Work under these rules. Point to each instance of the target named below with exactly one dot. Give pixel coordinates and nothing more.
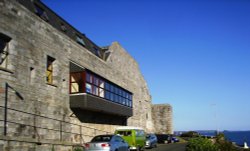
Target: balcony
(94, 99)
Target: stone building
(162, 118)
(58, 88)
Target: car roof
(129, 128)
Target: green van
(134, 136)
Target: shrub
(219, 144)
(201, 144)
(190, 134)
(78, 149)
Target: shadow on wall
(86, 116)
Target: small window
(97, 52)
(4, 50)
(32, 74)
(63, 27)
(41, 13)
(49, 72)
(80, 40)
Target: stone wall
(33, 40)
(162, 118)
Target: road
(169, 147)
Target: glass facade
(87, 82)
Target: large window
(76, 80)
(49, 72)
(4, 50)
(88, 82)
(100, 87)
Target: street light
(7, 86)
(216, 118)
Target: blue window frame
(100, 87)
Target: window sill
(6, 70)
(52, 85)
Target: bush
(219, 144)
(190, 134)
(201, 144)
(78, 149)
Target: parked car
(151, 141)
(107, 143)
(163, 138)
(166, 138)
(174, 140)
(134, 136)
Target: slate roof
(48, 15)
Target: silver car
(107, 143)
(151, 141)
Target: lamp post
(216, 118)
(7, 86)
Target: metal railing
(57, 129)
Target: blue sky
(194, 55)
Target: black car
(166, 138)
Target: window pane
(130, 103)
(111, 96)
(76, 82)
(127, 102)
(127, 95)
(88, 88)
(101, 83)
(107, 86)
(123, 93)
(116, 90)
(107, 95)
(116, 98)
(130, 96)
(88, 77)
(101, 92)
(111, 88)
(95, 90)
(80, 40)
(96, 81)
(120, 92)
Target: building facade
(58, 88)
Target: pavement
(169, 147)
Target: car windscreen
(101, 138)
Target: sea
(237, 137)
